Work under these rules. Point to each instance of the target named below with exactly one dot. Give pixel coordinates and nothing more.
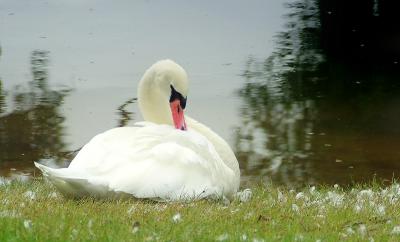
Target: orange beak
(177, 115)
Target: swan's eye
(176, 95)
(183, 102)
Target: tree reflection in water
(322, 108)
(124, 114)
(2, 95)
(33, 128)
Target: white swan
(168, 157)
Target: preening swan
(168, 157)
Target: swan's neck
(153, 102)
(152, 111)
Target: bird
(167, 157)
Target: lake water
(301, 99)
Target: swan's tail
(72, 184)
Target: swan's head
(162, 94)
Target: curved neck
(154, 90)
(153, 102)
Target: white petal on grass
(74, 234)
(90, 224)
(177, 218)
(235, 210)
(358, 208)
(299, 237)
(371, 203)
(299, 195)
(349, 230)
(9, 214)
(135, 230)
(322, 209)
(28, 224)
(149, 238)
(30, 195)
(335, 199)
(380, 210)
(295, 208)
(362, 229)
(384, 192)
(53, 195)
(258, 240)
(248, 215)
(135, 227)
(395, 189)
(393, 201)
(245, 195)
(396, 230)
(336, 186)
(131, 210)
(365, 194)
(281, 197)
(243, 237)
(222, 237)
(312, 189)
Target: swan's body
(153, 159)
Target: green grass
(34, 211)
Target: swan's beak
(177, 115)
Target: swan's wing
(73, 183)
(173, 171)
(154, 161)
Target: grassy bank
(34, 211)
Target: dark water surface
(305, 92)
